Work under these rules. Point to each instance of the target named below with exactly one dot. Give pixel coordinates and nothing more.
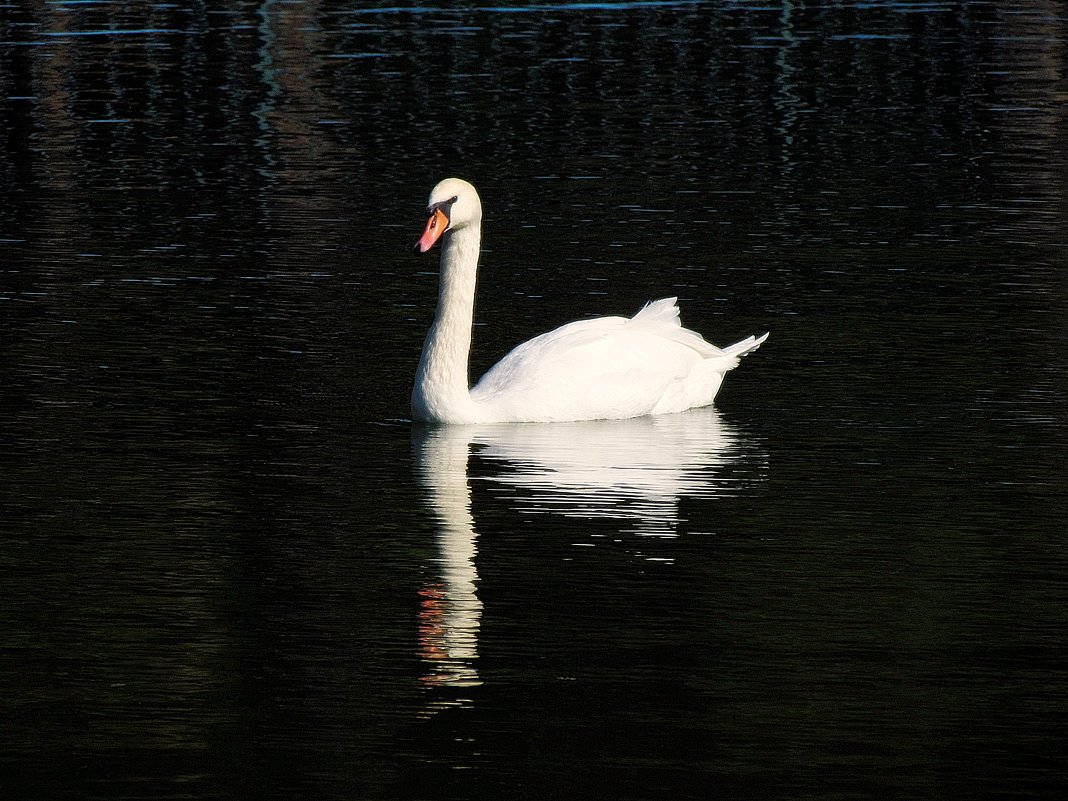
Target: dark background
(219, 535)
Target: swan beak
(435, 227)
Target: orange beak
(435, 227)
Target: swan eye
(443, 205)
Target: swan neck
(442, 389)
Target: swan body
(605, 368)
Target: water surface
(233, 568)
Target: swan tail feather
(747, 345)
(662, 317)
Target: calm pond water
(233, 569)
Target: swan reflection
(635, 471)
(630, 470)
(450, 610)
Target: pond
(233, 567)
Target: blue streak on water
(591, 6)
(362, 55)
(868, 37)
(536, 8)
(126, 32)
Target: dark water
(232, 569)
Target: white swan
(606, 368)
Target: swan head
(453, 204)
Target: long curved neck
(442, 393)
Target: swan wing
(662, 317)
